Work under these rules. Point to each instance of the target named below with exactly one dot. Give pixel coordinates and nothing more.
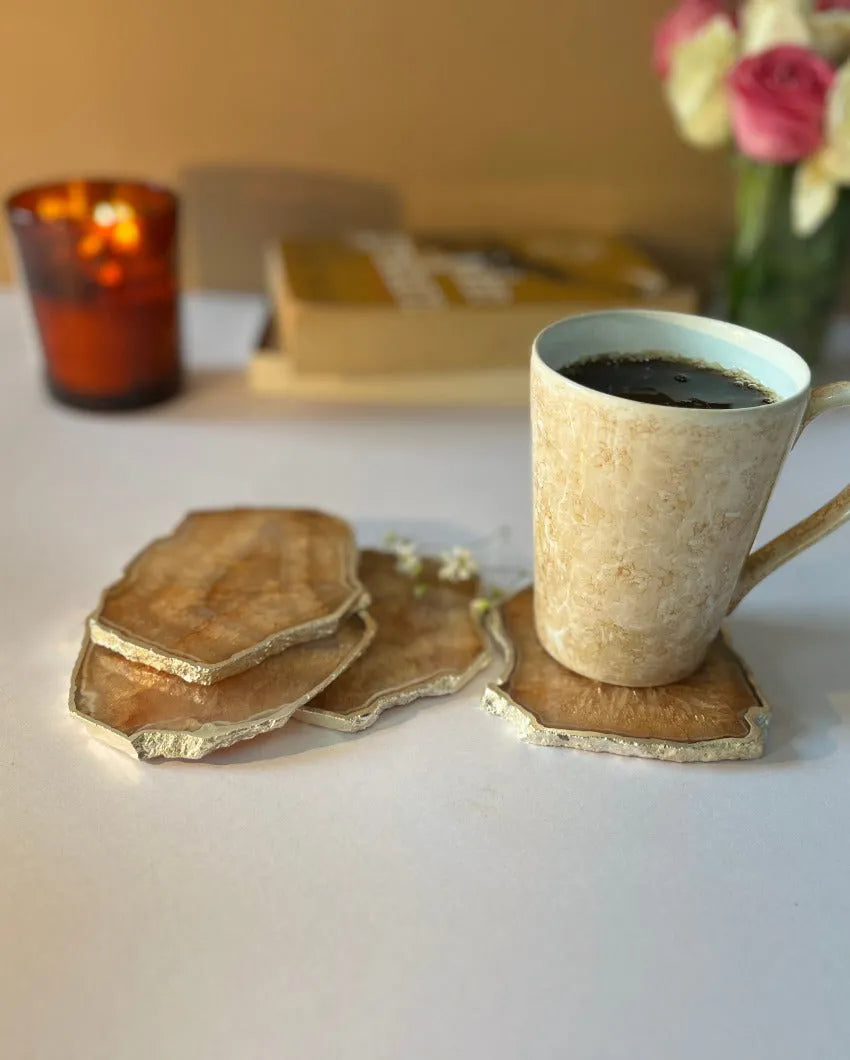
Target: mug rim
(729, 332)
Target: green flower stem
(758, 184)
(777, 282)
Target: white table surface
(431, 888)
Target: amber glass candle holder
(99, 258)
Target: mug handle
(827, 518)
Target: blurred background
(279, 116)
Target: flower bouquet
(771, 77)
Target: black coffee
(660, 378)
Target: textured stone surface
(714, 714)
(425, 645)
(643, 517)
(154, 714)
(227, 588)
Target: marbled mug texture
(643, 518)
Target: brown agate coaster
(228, 588)
(429, 642)
(153, 714)
(717, 713)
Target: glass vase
(777, 282)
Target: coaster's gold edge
(498, 702)
(211, 736)
(494, 624)
(440, 684)
(729, 748)
(195, 671)
(136, 650)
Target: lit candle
(111, 229)
(99, 259)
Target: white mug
(644, 515)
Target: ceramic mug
(644, 515)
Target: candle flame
(104, 215)
(118, 216)
(125, 235)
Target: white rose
(696, 85)
(766, 23)
(817, 179)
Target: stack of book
(392, 317)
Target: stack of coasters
(240, 618)
(715, 714)
(243, 619)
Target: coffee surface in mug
(657, 377)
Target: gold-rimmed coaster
(153, 714)
(229, 588)
(716, 714)
(429, 642)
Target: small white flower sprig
(457, 564)
(408, 560)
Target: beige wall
(481, 111)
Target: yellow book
(387, 302)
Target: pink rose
(680, 25)
(777, 102)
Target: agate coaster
(429, 642)
(716, 714)
(154, 714)
(229, 588)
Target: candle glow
(100, 267)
